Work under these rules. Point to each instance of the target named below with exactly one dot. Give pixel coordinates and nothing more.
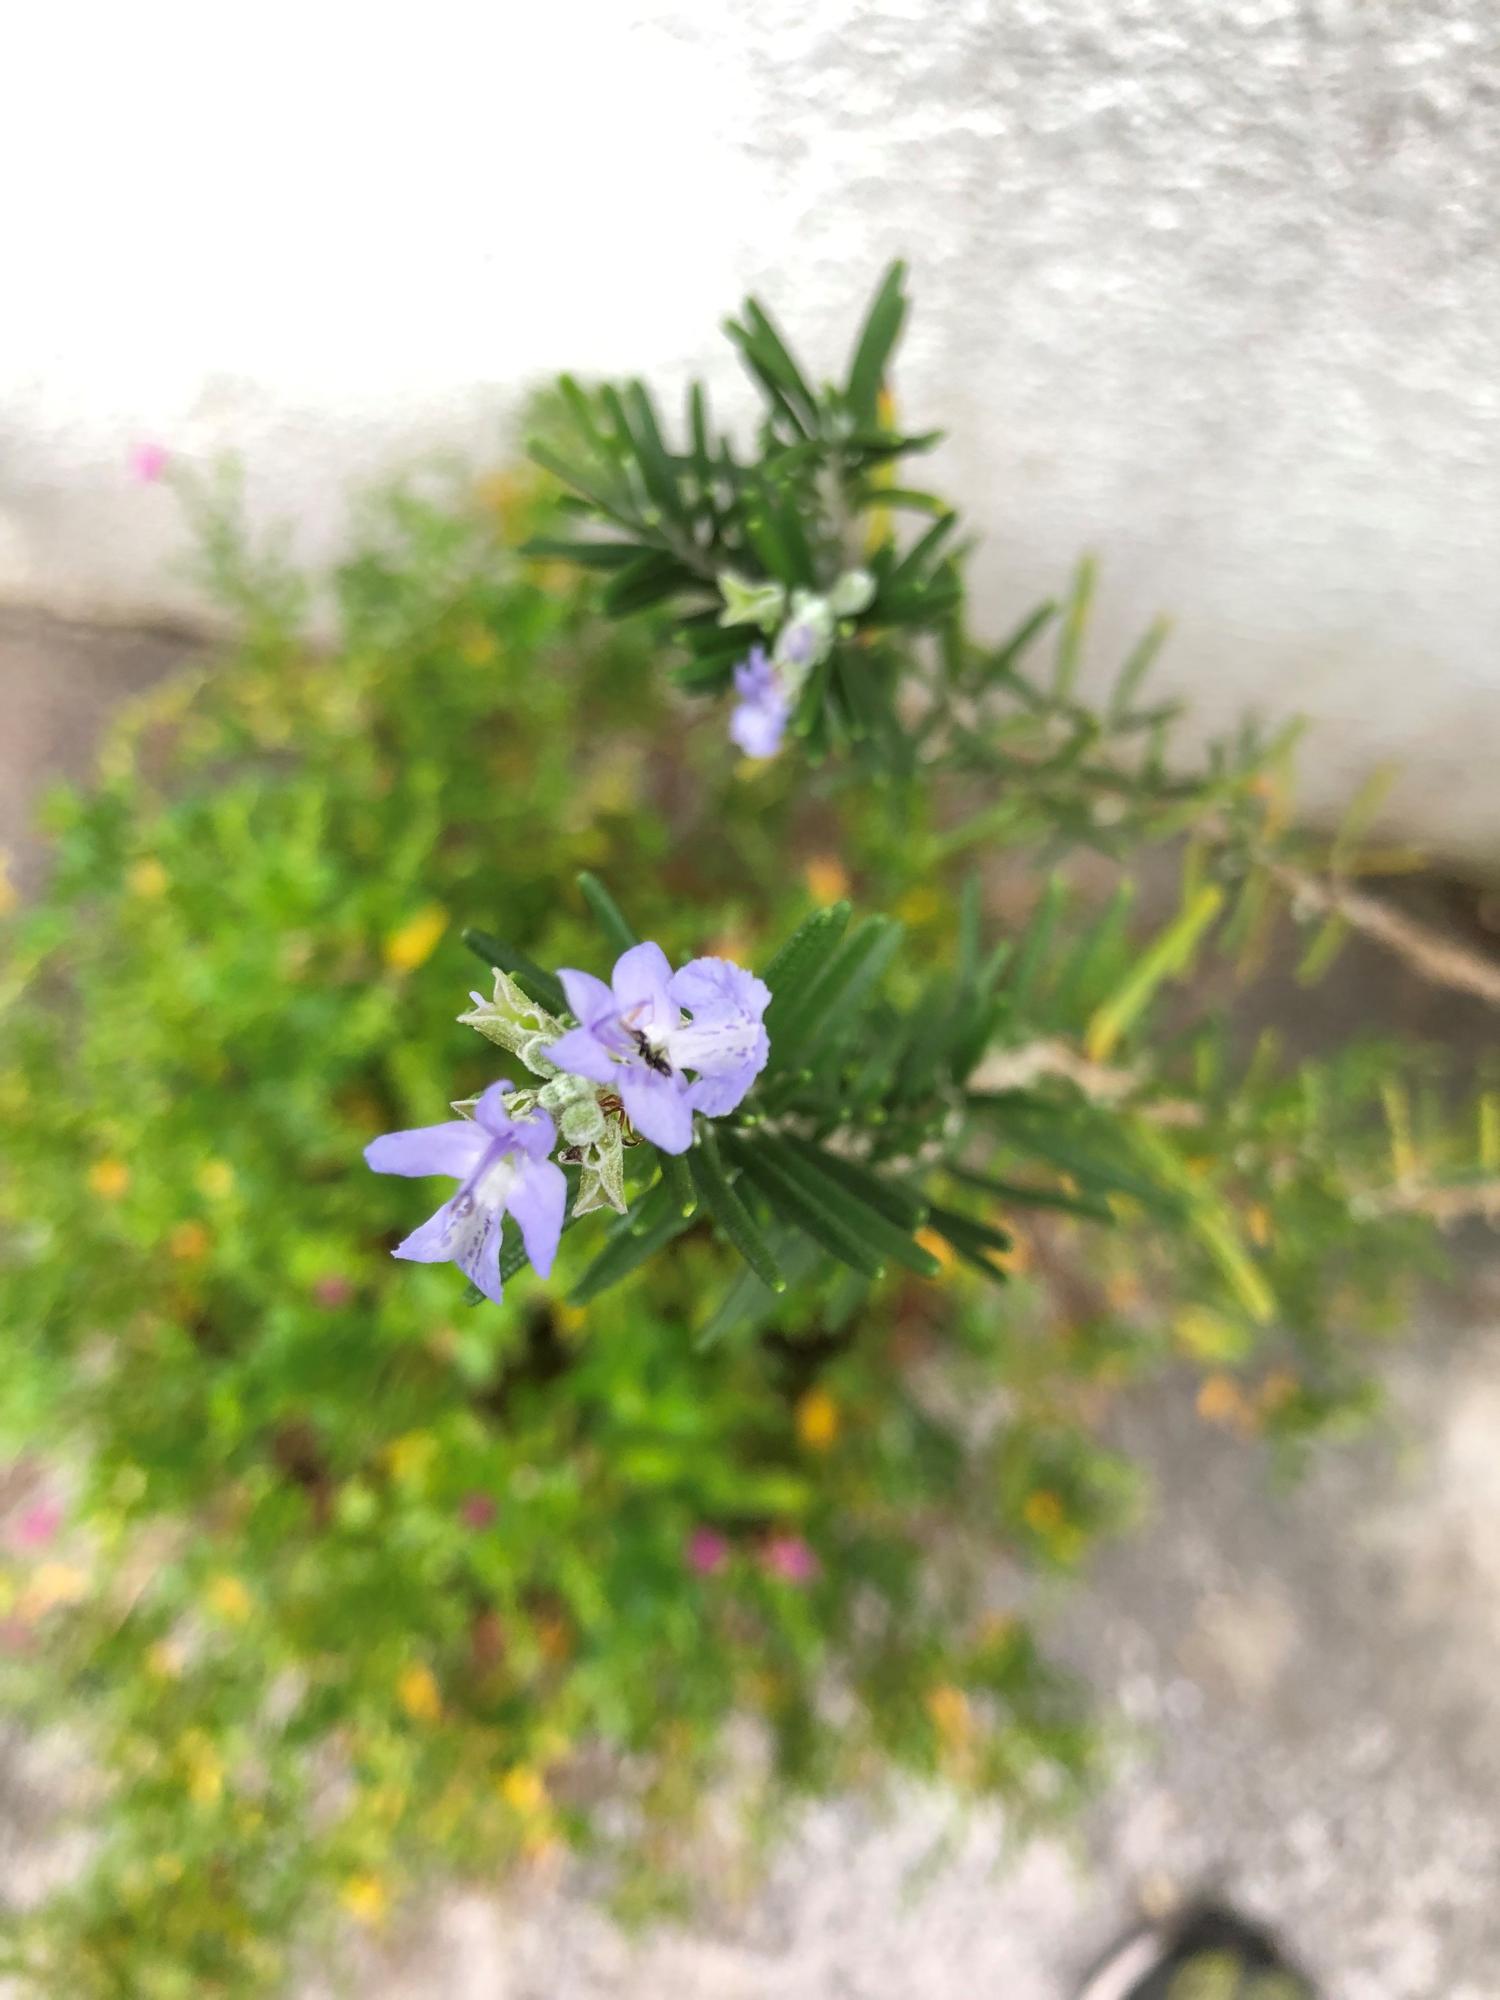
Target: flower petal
(589, 999)
(454, 1148)
(532, 1135)
(489, 1110)
(537, 1199)
(432, 1241)
(640, 980)
(657, 1106)
(705, 983)
(725, 1042)
(581, 1052)
(476, 1250)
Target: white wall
(1213, 288)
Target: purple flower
(632, 1036)
(503, 1167)
(761, 715)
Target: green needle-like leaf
(606, 913)
(730, 1215)
(804, 1170)
(543, 987)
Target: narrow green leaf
(791, 1203)
(678, 1181)
(633, 1242)
(542, 986)
(1026, 1196)
(647, 580)
(730, 1215)
(651, 452)
(899, 1204)
(972, 1241)
(587, 555)
(801, 959)
(606, 913)
(1074, 629)
(1037, 941)
(835, 996)
(875, 344)
(1137, 665)
(1169, 956)
(806, 1169)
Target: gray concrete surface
(1307, 1678)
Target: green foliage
(358, 1580)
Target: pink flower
(477, 1511)
(34, 1528)
(333, 1291)
(707, 1551)
(148, 462)
(789, 1558)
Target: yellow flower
(205, 1769)
(827, 879)
(187, 1242)
(52, 1585)
(817, 1420)
(476, 646)
(1258, 1224)
(147, 878)
(164, 1660)
(569, 1320)
(409, 1457)
(229, 1598)
(9, 894)
(1043, 1512)
(1222, 1401)
(951, 1716)
(414, 942)
(419, 1693)
(523, 1790)
(939, 1247)
(216, 1179)
(365, 1898)
(919, 905)
(109, 1179)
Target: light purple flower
(764, 708)
(632, 1036)
(503, 1167)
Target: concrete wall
(1213, 289)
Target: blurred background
(1214, 293)
(1219, 298)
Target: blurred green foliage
(356, 1585)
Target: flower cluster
(642, 1056)
(769, 682)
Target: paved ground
(1309, 1676)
